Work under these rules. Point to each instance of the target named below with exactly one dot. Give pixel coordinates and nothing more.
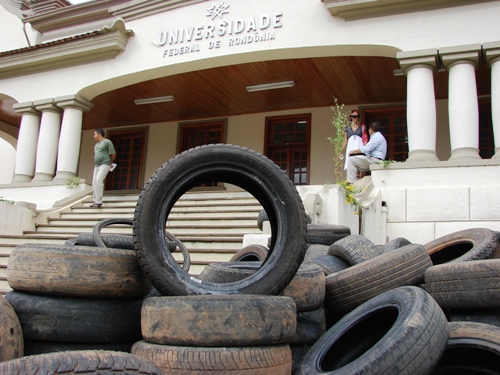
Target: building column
(26, 143)
(71, 135)
(46, 152)
(419, 67)
(463, 107)
(492, 52)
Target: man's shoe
(98, 205)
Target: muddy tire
(172, 242)
(307, 288)
(310, 327)
(464, 245)
(395, 244)
(472, 349)
(402, 331)
(328, 264)
(76, 271)
(65, 319)
(326, 234)
(80, 362)
(354, 249)
(465, 285)
(261, 218)
(250, 253)
(32, 347)
(11, 334)
(184, 360)
(485, 316)
(239, 166)
(347, 289)
(226, 320)
(314, 251)
(114, 241)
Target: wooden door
(129, 173)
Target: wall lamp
(271, 86)
(158, 99)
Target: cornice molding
(101, 11)
(105, 44)
(91, 12)
(351, 10)
(142, 8)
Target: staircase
(211, 226)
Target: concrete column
(492, 52)
(419, 67)
(46, 152)
(71, 135)
(26, 143)
(463, 107)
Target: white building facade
(428, 71)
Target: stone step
(181, 223)
(128, 214)
(210, 225)
(195, 230)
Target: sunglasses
(355, 116)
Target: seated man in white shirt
(373, 152)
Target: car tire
(239, 166)
(402, 331)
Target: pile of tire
(405, 308)
(77, 310)
(76, 297)
(316, 300)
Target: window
(393, 127)
(129, 146)
(197, 134)
(486, 140)
(287, 144)
(202, 133)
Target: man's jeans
(100, 174)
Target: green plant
(73, 182)
(385, 163)
(350, 191)
(339, 121)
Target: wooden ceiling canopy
(221, 92)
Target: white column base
(62, 176)
(39, 176)
(464, 154)
(422, 155)
(496, 156)
(18, 177)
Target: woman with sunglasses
(354, 132)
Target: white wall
(427, 203)
(308, 30)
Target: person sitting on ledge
(373, 152)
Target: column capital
(427, 57)
(26, 107)
(73, 101)
(468, 53)
(491, 52)
(46, 105)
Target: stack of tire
(388, 309)
(226, 334)
(307, 289)
(197, 325)
(76, 297)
